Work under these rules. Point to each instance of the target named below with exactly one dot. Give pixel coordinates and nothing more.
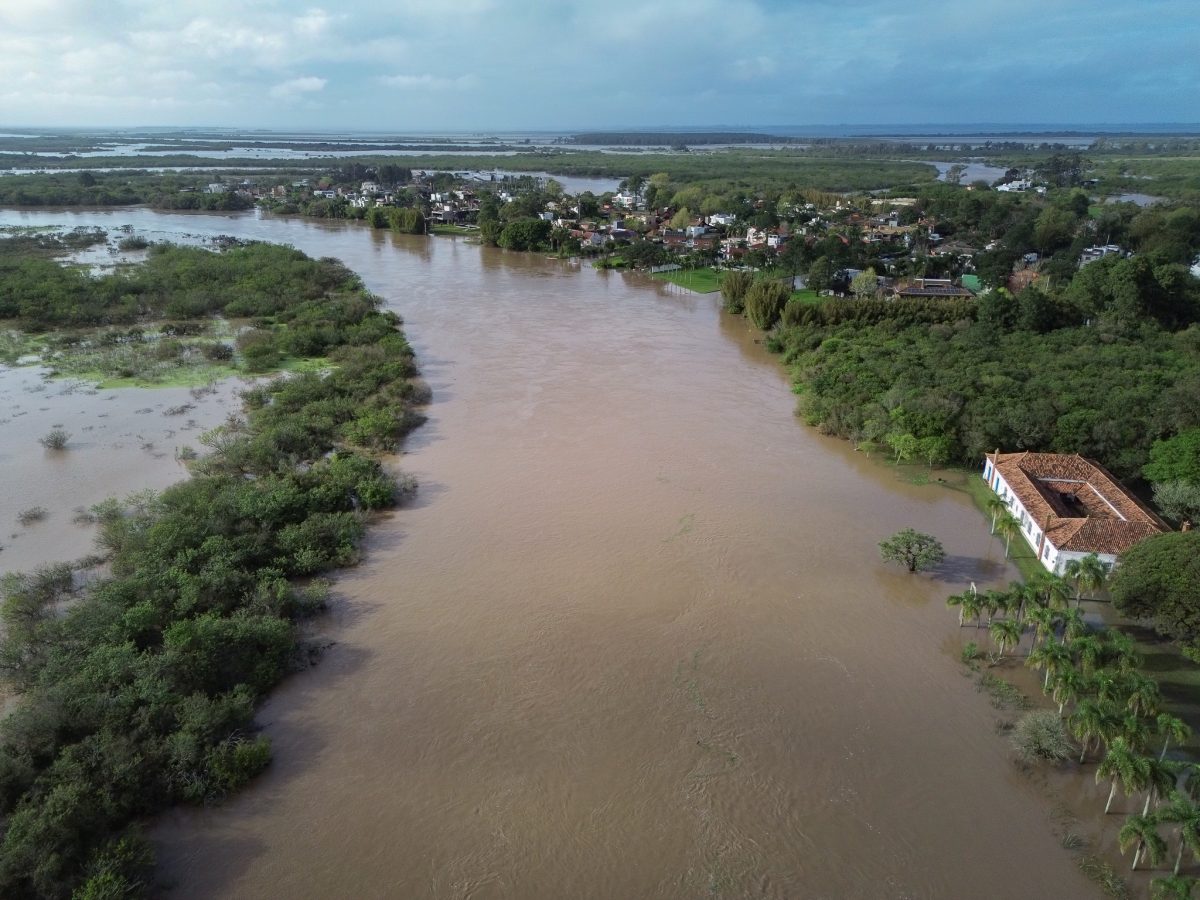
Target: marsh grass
(1003, 694)
(1103, 874)
(32, 514)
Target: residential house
(1069, 507)
(1091, 254)
(929, 287)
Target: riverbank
(200, 615)
(624, 642)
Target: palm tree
(1161, 778)
(1134, 729)
(1006, 633)
(1073, 572)
(1142, 832)
(1092, 574)
(1182, 812)
(1069, 683)
(1052, 656)
(1024, 595)
(1120, 650)
(1170, 726)
(1045, 622)
(996, 506)
(1092, 721)
(1058, 594)
(971, 606)
(1073, 624)
(1141, 693)
(1088, 650)
(1174, 887)
(992, 602)
(1125, 766)
(1008, 527)
(957, 600)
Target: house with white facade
(1069, 507)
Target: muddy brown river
(634, 639)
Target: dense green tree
(524, 234)
(1159, 579)
(914, 550)
(820, 274)
(1175, 459)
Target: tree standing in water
(916, 551)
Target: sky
(494, 65)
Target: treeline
(667, 138)
(174, 282)
(140, 692)
(1105, 368)
(115, 189)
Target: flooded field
(121, 441)
(634, 638)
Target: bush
(55, 439)
(218, 352)
(733, 291)
(1040, 736)
(31, 515)
(765, 301)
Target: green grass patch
(807, 296)
(14, 345)
(702, 281)
(452, 229)
(1020, 554)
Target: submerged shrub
(55, 439)
(1040, 735)
(31, 515)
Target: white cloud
(429, 82)
(313, 23)
(298, 87)
(544, 63)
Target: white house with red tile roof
(1069, 506)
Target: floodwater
(633, 639)
(972, 171)
(122, 441)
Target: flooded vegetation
(634, 637)
(137, 691)
(625, 643)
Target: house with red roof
(1069, 506)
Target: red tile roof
(1080, 506)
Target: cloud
(429, 82)
(312, 24)
(514, 64)
(298, 87)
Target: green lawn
(452, 229)
(806, 296)
(702, 281)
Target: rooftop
(1077, 502)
